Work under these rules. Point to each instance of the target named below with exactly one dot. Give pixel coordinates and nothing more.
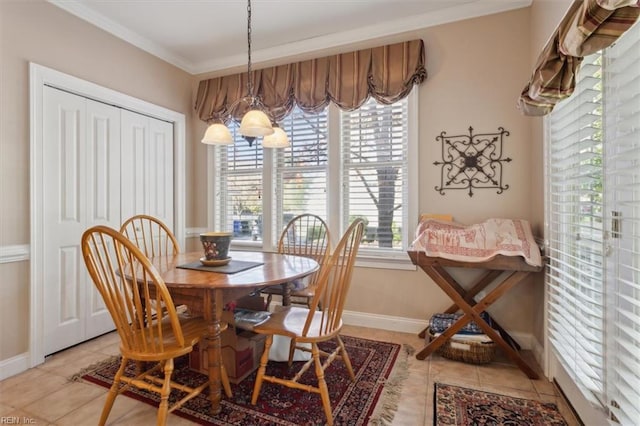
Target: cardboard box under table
(241, 350)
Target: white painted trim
(14, 253)
(38, 78)
(14, 365)
(302, 47)
(384, 322)
(539, 354)
(412, 325)
(194, 232)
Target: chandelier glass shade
(217, 134)
(278, 139)
(255, 122)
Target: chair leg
(263, 368)
(345, 358)
(322, 384)
(164, 395)
(113, 392)
(292, 350)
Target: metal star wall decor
(472, 161)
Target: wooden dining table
(207, 291)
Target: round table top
(274, 268)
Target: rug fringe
(77, 377)
(385, 410)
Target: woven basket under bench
(466, 350)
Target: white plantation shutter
(593, 231)
(301, 171)
(239, 188)
(575, 246)
(622, 153)
(374, 168)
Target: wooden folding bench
(464, 300)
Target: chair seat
(290, 322)
(193, 328)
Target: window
(374, 166)
(340, 166)
(593, 232)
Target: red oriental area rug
(379, 368)
(458, 406)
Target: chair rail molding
(14, 253)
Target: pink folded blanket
(479, 242)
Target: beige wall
(39, 32)
(476, 70)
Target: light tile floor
(44, 395)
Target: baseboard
(14, 365)
(410, 325)
(538, 353)
(384, 322)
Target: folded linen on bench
(478, 242)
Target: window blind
(374, 157)
(622, 154)
(239, 187)
(301, 169)
(575, 244)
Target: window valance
(588, 26)
(386, 73)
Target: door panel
(102, 199)
(64, 218)
(147, 167)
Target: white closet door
(103, 196)
(80, 187)
(147, 167)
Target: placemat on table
(230, 268)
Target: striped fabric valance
(588, 26)
(386, 73)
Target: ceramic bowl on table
(216, 248)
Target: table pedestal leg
(286, 294)
(212, 315)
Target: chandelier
(255, 122)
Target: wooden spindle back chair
(152, 236)
(320, 322)
(304, 235)
(133, 291)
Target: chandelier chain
(249, 80)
